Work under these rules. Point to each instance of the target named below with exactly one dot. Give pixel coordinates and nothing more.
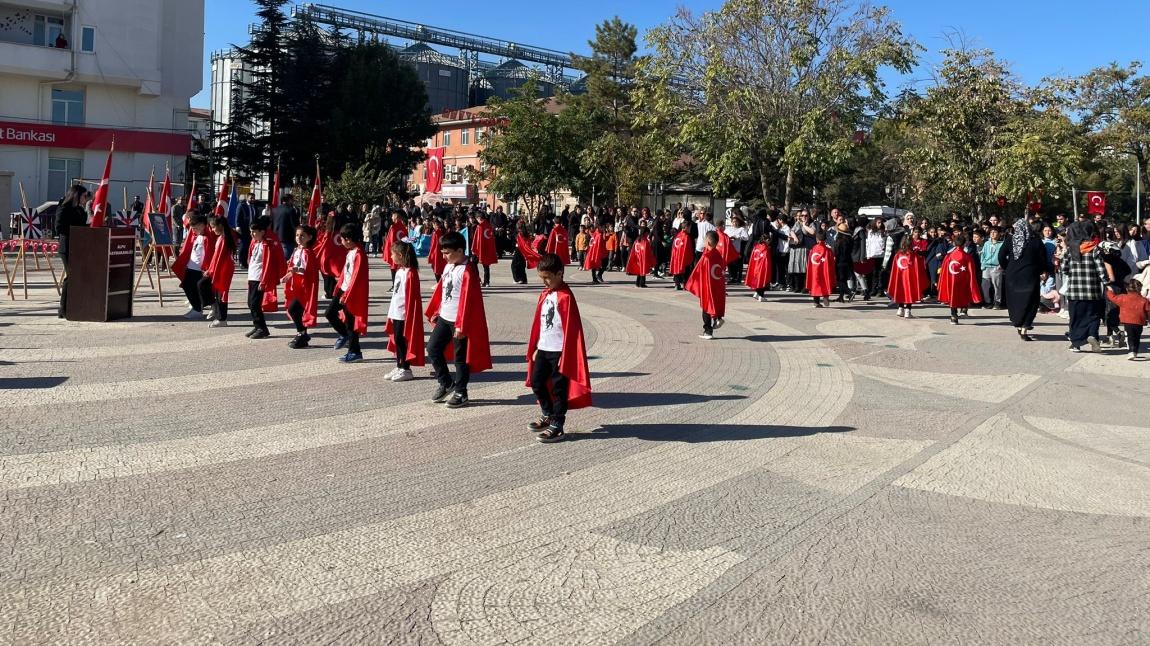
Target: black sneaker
(552, 435)
(260, 334)
(441, 394)
(299, 342)
(251, 332)
(458, 400)
(540, 424)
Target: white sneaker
(901, 312)
(390, 375)
(706, 337)
(403, 375)
(1132, 357)
(209, 312)
(193, 314)
(1095, 346)
(908, 315)
(218, 324)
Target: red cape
(485, 244)
(179, 267)
(908, 279)
(821, 271)
(329, 253)
(220, 267)
(726, 250)
(412, 322)
(559, 244)
(434, 258)
(471, 320)
(759, 269)
(304, 286)
(596, 251)
(573, 360)
(642, 258)
(709, 283)
(355, 298)
(395, 232)
(530, 256)
(274, 269)
(957, 281)
(682, 253)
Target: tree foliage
(364, 185)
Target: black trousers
(334, 309)
(245, 246)
(328, 285)
(63, 281)
(798, 282)
(735, 270)
(295, 313)
(256, 305)
(1133, 336)
(843, 275)
(641, 281)
(400, 344)
(1085, 317)
(486, 275)
(207, 294)
(441, 335)
(708, 323)
(191, 286)
(550, 386)
(779, 267)
(518, 268)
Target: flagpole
(1074, 193)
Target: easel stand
(151, 260)
(20, 267)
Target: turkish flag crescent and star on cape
(1096, 203)
(434, 170)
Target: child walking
(1133, 309)
(821, 276)
(709, 282)
(265, 267)
(759, 268)
(218, 271)
(908, 279)
(301, 286)
(596, 255)
(405, 314)
(642, 259)
(456, 310)
(958, 284)
(682, 255)
(347, 311)
(189, 265)
(556, 354)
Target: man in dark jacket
(284, 221)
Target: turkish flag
(100, 200)
(316, 201)
(708, 281)
(821, 271)
(1096, 203)
(434, 166)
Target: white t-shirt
(397, 309)
(701, 241)
(348, 268)
(196, 261)
(550, 325)
(451, 282)
(784, 243)
(298, 260)
(256, 262)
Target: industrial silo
(506, 77)
(444, 77)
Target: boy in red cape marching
(682, 255)
(821, 278)
(559, 243)
(330, 253)
(556, 354)
(347, 311)
(434, 258)
(484, 247)
(908, 279)
(301, 286)
(189, 264)
(456, 310)
(642, 258)
(216, 284)
(709, 282)
(596, 255)
(957, 284)
(759, 269)
(266, 266)
(405, 314)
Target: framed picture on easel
(160, 229)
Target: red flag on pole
(100, 201)
(1096, 203)
(150, 203)
(164, 204)
(434, 170)
(222, 202)
(314, 205)
(274, 201)
(191, 205)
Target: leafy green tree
(364, 185)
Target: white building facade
(74, 74)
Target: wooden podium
(100, 272)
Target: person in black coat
(245, 215)
(69, 213)
(285, 219)
(1023, 259)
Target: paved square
(812, 476)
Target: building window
(45, 30)
(62, 174)
(446, 137)
(68, 107)
(88, 39)
(464, 137)
(479, 135)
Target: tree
(364, 185)
(771, 88)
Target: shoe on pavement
(901, 312)
(457, 400)
(351, 357)
(260, 334)
(441, 394)
(706, 337)
(193, 314)
(540, 424)
(218, 324)
(718, 323)
(251, 332)
(1075, 348)
(340, 343)
(1095, 346)
(1132, 357)
(552, 435)
(391, 374)
(299, 342)
(402, 375)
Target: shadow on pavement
(692, 433)
(30, 383)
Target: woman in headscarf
(1084, 275)
(1023, 259)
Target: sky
(1037, 37)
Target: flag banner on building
(314, 204)
(100, 200)
(30, 224)
(1096, 203)
(434, 170)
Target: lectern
(100, 271)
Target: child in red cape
(642, 258)
(556, 354)
(525, 256)
(397, 231)
(189, 265)
(559, 243)
(821, 278)
(301, 286)
(265, 268)
(682, 255)
(709, 282)
(596, 255)
(957, 283)
(456, 310)
(434, 258)
(405, 314)
(908, 279)
(759, 269)
(347, 311)
(485, 251)
(218, 271)
(330, 253)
